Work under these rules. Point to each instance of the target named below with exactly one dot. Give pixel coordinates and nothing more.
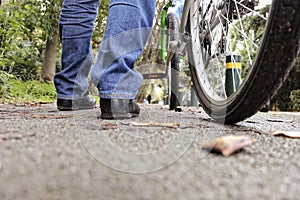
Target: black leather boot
(118, 108)
(78, 104)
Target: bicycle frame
(177, 9)
(170, 42)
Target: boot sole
(119, 116)
(61, 108)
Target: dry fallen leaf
(107, 126)
(228, 144)
(51, 116)
(279, 120)
(289, 134)
(167, 125)
(14, 135)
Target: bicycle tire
(277, 53)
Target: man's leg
(128, 27)
(76, 28)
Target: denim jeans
(128, 27)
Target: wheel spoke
(212, 27)
(243, 32)
(250, 10)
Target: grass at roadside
(17, 91)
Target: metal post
(233, 73)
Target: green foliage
(287, 97)
(100, 24)
(4, 77)
(295, 100)
(25, 26)
(47, 17)
(20, 45)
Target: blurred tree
(287, 98)
(48, 23)
(295, 100)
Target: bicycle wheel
(265, 35)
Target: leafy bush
(295, 100)
(4, 77)
(20, 43)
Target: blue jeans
(128, 27)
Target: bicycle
(235, 67)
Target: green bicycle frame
(163, 27)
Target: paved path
(46, 154)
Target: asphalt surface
(46, 154)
